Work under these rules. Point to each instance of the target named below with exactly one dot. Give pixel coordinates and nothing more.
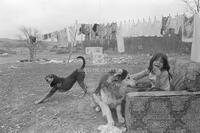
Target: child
(157, 72)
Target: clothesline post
(195, 55)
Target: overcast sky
(50, 15)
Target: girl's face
(158, 63)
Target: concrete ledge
(161, 93)
(163, 112)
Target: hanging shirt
(179, 23)
(171, 24)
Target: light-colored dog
(111, 91)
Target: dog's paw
(111, 123)
(82, 95)
(97, 109)
(38, 102)
(121, 120)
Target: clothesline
(130, 28)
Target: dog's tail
(83, 59)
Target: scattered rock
(40, 109)
(12, 67)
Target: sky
(51, 15)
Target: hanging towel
(179, 23)
(156, 27)
(171, 23)
(149, 28)
(120, 40)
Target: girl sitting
(157, 72)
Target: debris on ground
(12, 67)
(111, 129)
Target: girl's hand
(156, 70)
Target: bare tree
(31, 35)
(192, 5)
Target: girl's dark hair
(165, 62)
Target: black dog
(64, 84)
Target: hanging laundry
(79, 37)
(165, 22)
(49, 35)
(107, 31)
(179, 23)
(103, 31)
(187, 29)
(124, 29)
(120, 40)
(69, 36)
(168, 25)
(129, 28)
(45, 36)
(195, 54)
(139, 28)
(148, 28)
(59, 36)
(113, 27)
(156, 27)
(172, 22)
(98, 29)
(63, 38)
(39, 37)
(136, 28)
(132, 27)
(86, 29)
(143, 28)
(95, 28)
(72, 34)
(54, 37)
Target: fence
(147, 45)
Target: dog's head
(122, 75)
(51, 79)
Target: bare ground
(23, 83)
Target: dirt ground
(23, 83)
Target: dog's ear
(124, 74)
(112, 71)
(55, 80)
(120, 75)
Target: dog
(64, 84)
(111, 92)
